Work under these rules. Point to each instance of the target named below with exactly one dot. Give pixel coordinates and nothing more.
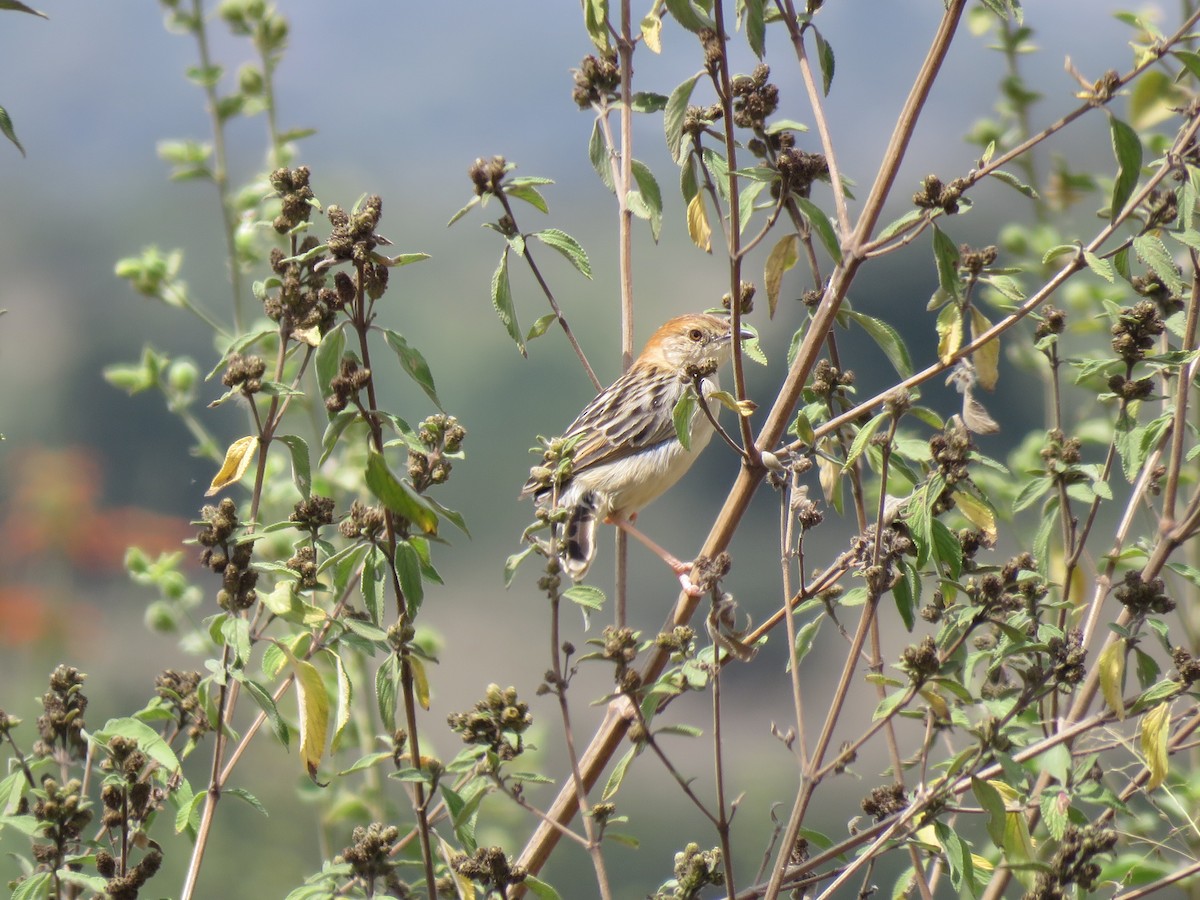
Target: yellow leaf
(697, 222)
(1007, 794)
(950, 331)
(1058, 575)
(829, 474)
(1112, 674)
(237, 459)
(310, 336)
(976, 512)
(652, 33)
(1153, 734)
(782, 257)
(420, 680)
(1019, 848)
(937, 703)
(466, 887)
(987, 357)
(313, 702)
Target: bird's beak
(743, 335)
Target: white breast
(630, 484)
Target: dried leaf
(237, 459)
(987, 357)
(1112, 675)
(1153, 737)
(697, 222)
(782, 257)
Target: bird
(625, 450)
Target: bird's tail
(579, 538)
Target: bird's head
(695, 341)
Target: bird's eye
(696, 335)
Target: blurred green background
(404, 96)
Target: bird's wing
(630, 415)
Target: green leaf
(397, 495)
(888, 705)
(590, 598)
(1055, 806)
(408, 569)
(1031, 491)
(502, 301)
(618, 774)
(688, 15)
(204, 76)
(647, 102)
(529, 194)
(688, 185)
(1128, 149)
(958, 857)
(821, 225)
(511, 564)
(598, 154)
(945, 254)
(243, 794)
(538, 328)
(149, 741)
(785, 125)
(646, 202)
(454, 518)
(595, 20)
(400, 259)
(673, 117)
(1190, 60)
(904, 223)
(413, 363)
(681, 415)
(905, 594)
(805, 636)
(266, 703)
(301, 469)
(863, 437)
(946, 548)
(329, 359)
(1015, 183)
(1041, 539)
(36, 887)
(993, 804)
(371, 585)
(1153, 253)
(888, 339)
(387, 689)
(1101, 267)
(540, 889)
(568, 247)
(756, 37)
(471, 204)
(6, 128)
(18, 6)
(825, 60)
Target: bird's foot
(678, 566)
(692, 590)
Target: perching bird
(627, 450)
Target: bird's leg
(679, 567)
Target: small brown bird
(627, 450)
